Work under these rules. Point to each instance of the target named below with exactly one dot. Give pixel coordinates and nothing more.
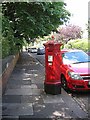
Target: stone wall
(7, 67)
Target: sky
(79, 11)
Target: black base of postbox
(52, 88)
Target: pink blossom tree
(70, 32)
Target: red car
(75, 71)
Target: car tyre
(64, 83)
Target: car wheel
(64, 83)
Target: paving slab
(50, 110)
(24, 91)
(36, 91)
(11, 99)
(13, 86)
(52, 99)
(10, 118)
(31, 99)
(40, 85)
(19, 82)
(33, 86)
(17, 109)
(37, 81)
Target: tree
(70, 32)
(29, 20)
(34, 19)
(8, 42)
(88, 28)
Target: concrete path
(25, 98)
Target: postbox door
(49, 68)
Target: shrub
(7, 39)
(82, 44)
(5, 47)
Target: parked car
(88, 53)
(41, 50)
(75, 70)
(32, 50)
(28, 49)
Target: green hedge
(82, 44)
(8, 48)
(5, 47)
(7, 40)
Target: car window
(33, 48)
(75, 57)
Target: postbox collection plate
(50, 58)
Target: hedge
(82, 44)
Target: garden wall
(8, 65)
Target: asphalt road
(40, 58)
(81, 98)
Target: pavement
(24, 97)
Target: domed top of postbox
(52, 45)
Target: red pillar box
(52, 84)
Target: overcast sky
(79, 11)
(89, 18)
